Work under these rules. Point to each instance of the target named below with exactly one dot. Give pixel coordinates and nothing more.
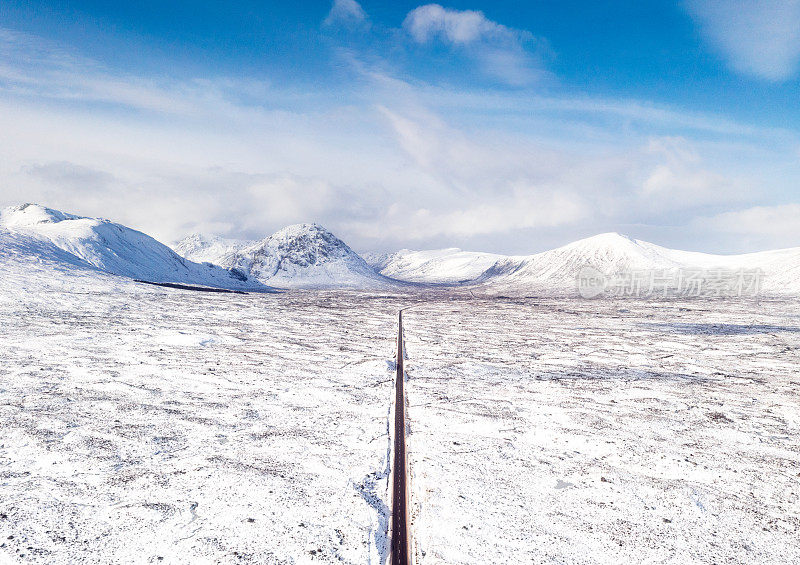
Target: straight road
(400, 554)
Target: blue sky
(503, 126)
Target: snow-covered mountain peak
(297, 256)
(197, 239)
(307, 245)
(606, 244)
(304, 255)
(24, 215)
(611, 238)
(611, 250)
(302, 230)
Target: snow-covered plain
(142, 424)
(568, 431)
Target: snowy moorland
(143, 424)
(150, 424)
(567, 431)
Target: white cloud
(382, 163)
(454, 26)
(346, 13)
(502, 52)
(760, 38)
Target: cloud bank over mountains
(388, 159)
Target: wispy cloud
(680, 178)
(759, 38)
(32, 66)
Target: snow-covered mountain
(557, 270)
(30, 230)
(441, 266)
(202, 248)
(298, 256)
(607, 252)
(780, 267)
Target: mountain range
(615, 255)
(309, 256)
(60, 239)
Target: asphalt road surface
(400, 554)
